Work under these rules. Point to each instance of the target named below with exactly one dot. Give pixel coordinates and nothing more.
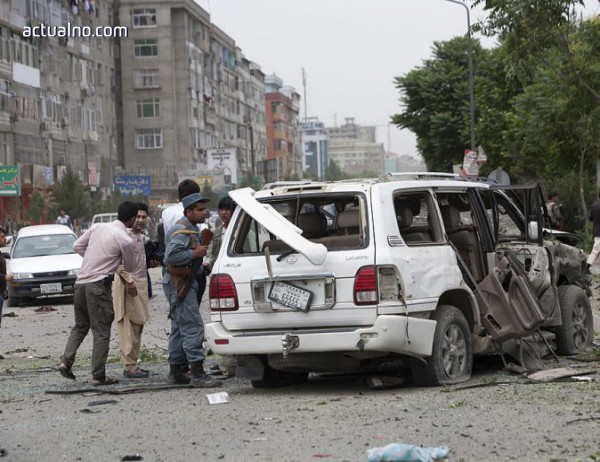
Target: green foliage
(334, 173)
(36, 208)
(70, 196)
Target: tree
(36, 208)
(334, 173)
(436, 101)
(70, 196)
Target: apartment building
(156, 98)
(284, 151)
(57, 94)
(315, 148)
(187, 89)
(354, 148)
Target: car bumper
(390, 333)
(37, 287)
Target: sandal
(136, 374)
(104, 381)
(66, 371)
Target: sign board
(472, 161)
(10, 184)
(222, 166)
(135, 185)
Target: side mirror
(533, 231)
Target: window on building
(89, 118)
(145, 47)
(4, 44)
(146, 78)
(148, 107)
(148, 138)
(143, 17)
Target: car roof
(41, 230)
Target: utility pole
(471, 78)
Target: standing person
(226, 207)
(103, 247)
(9, 225)
(3, 291)
(595, 219)
(171, 214)
(64, 219)
(556, 218)
(183, 259)
(131, 300)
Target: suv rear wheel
(576, 332)
(451, 360)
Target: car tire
(576, 332)
(451, 360)
(273, 378)
(14, 301)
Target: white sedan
(42, 263)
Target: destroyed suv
(339, 276)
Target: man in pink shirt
(103, 248)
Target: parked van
(104, 218)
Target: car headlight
(73, 272)
(22, 276)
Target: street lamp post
(471, 79)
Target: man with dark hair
(226, 207)
(103, 247)
(131, 300)
(172, 214)
(556, 218)
(180, 286)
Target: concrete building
(315, 148)
(284, 153)
(187, 89)
(354, 149)
(58, 94)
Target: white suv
(334, 276)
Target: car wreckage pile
(342, 276)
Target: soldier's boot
(177, 376)
(199, 377)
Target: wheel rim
(579, 328)
(454, 351)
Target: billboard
(222, 167)
(135, 185)
(9, 180)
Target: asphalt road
(496, 416)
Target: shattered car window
(332, 220)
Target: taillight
(222, 293)
(365, 286)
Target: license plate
(290, 296)
(54, 288)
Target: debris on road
(220, 397)
(400, 452)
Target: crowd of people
(114, 285)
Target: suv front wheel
(451, 360)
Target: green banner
(10, 183)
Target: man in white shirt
(103, 248)
(171, 214)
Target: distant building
(284, 154)
(315, 147)
(354, 148)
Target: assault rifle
(185, 287)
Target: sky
(350, 50)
